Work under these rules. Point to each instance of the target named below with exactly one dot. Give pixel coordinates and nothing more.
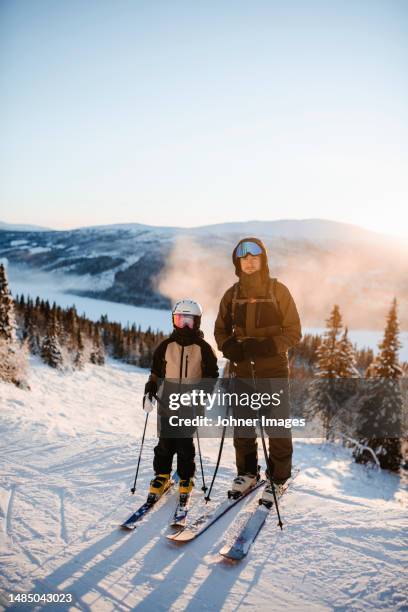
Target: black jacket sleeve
(158, 363)
(209, 361)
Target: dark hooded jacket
(259, 307)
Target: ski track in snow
(68, 454)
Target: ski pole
(268, 463)
(133, 489)
(203, 488)
(207, 497)
(267, 459)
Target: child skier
(184, 355)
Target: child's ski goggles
(185, 320)
(248, 247)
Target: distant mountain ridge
(323, 262)
(305, 229)
(21, 227)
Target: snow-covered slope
(68, 453)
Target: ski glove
(150, 389)
(232, 350)
(259, 348)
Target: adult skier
(256, 324)
(182, 357)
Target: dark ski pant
(165, 451)
(279, 444)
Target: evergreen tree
(346, 367)
(7, 316)
(71, 329)
(79, 357)
(98, 353)
(30, 334)
(328, 353)
(51, 350)
(347, 386)
(380, 408)
(364, 358)
(12, 357)
(326, 394)
(118, 343)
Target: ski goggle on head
(186, 320)
(248, 247)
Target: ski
(249, 531)
(151, 501)
(203, 522)
(180, 514)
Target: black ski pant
(279, 441)
(165, 451)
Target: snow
(69, 452)
(18, 242)
(39, 249)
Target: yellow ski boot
(186, 486)
(159, 484)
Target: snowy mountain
(69, 452)
(20, 227)
(320, 231)
(321, 261)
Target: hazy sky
(188, 113)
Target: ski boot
(180, 514)
(267, 498)
(158, 486)
(241, 484)
(186, 486)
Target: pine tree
(79, 360)
(51, 350)
(326, 396)
(7, 316)
(12, 357)
(346, 367)
(347, 386)
(97, 355)
(118, 343)
(328, 352)
(380, 408)
(30, 334)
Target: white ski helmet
(187, 313)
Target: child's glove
(148, 405)
(150, 389)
